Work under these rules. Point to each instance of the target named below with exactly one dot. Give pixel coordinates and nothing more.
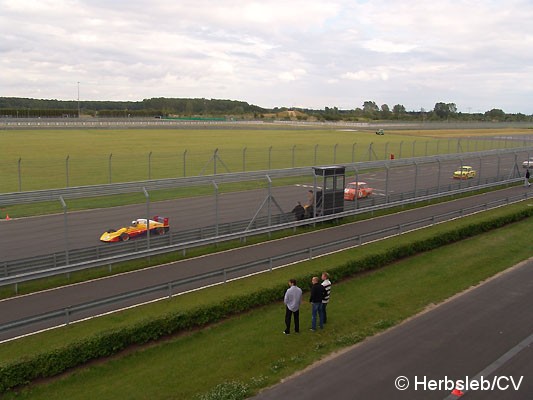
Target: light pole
(79, 99)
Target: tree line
(16, 107)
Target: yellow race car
(157, 225)
(464, 172)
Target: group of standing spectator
(319, 299)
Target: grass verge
(79, 157)
(249, 349)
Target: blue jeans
(317, 309)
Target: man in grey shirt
(292, 300)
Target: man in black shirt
(317, 295)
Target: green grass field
(250, 349)
(43, 159)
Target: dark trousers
(288, 316)
(324, 314)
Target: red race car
(361, 188)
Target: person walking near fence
(292, 300)
(526, 180)
(317, 294)
(326, 283)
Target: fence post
(20, 175)
(438, 175)
(65, 227)
(66, 169)
(270, 157)
(216, 207)
(353, 152)
(335, 153)
(387, 167)
(109, 167)
(416, 178)
(184, 163)
(244, 159)
(461, 176)
(356, 200)
(479, 171)
(147, 218)
(269, 211)
(149, 165)
(316, 149)
(293, 150)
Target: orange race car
(157, 225)
(361, 188)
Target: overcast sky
(272, 53)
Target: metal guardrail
(22, 270)
(14, 198)
(307, 254)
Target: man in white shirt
(292, 300)
(327, 289)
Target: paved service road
(487, 331)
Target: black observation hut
(330, 200)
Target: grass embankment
(250, 348)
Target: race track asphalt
(44, 235)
